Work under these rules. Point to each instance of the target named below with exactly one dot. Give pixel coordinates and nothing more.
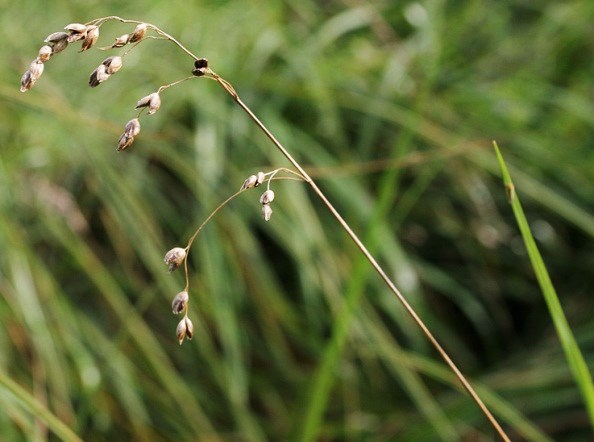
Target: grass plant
(390, 108)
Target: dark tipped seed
(180, 302)
(267, 197)
(249, 183)
(98, 76)
(175, 258)
(201, 63)
(189, 328)
(138, 33)
(90, 38)
(122, 40)
(26, 81)
(44, 54)
(113, 64)
(56, 37)
(260, 178)
(181, 331)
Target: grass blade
(574, 356)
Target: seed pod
(260, 178)
(189, 328)
(180, 302)
(58, 41)
(59, 46)
(90, 38)
(201, 63)
(200, 67)
(113, 64)
(132, 127)
(76, 32)
(122, 40)
(152, 101)
(130, 131)
(175, 258)
(26, 81)
(249, 183)
(56, 37)
(36, 70)
(138, 33)
(98, 76)
(181, 331)
(267, 197)
(124, 142)
(44, 54)
(266, 212)
(76, 28)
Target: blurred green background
(392, 107)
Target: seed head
(98, 76)
(138, 33)
(267, 197)
(175, 258)
(152, 101)
(266, 212)
(113, 64)
(122, 40)
(90, 38)
(180, 302)
(45, 52)
(249, 183)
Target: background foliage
(392, 105)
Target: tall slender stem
(229, 89)
(208, 73)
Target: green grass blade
(573, 354)
(37, 409)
